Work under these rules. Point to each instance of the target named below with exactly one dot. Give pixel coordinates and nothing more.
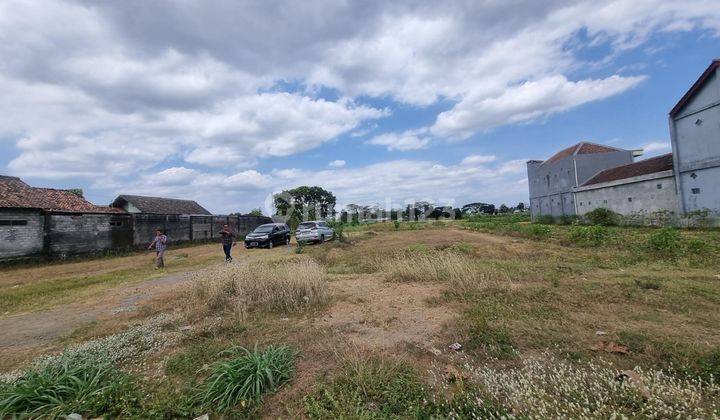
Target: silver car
(314, 231)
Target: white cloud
(339, 163)
(656, 147)
(406, 141)
(478, 159)
(528, 101)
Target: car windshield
(264, 229)
(306, 225)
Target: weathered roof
(160, 205)
(14, 193)
(582, 148)
(695, 87)
(643, 167)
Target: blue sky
(229, 102)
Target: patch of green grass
(188, 362)
(487, 335)
(368, 389)
(246, 377)
(89, 386)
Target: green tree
(256, 212)
(504, 208)
(77, 191)
(305, 203)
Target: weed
(484, 334)
(396, 224)
(567, 219)
(248, 375)
(539, 231)
(300, 248)
(69, 385)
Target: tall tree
(305, 203)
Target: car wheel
(270, 244)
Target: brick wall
(21, 233)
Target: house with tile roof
(157, 205)
(43, 221)
(552, 182)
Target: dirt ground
(375, 314)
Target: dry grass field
(554, 321)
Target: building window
(698, 122)
(629, 199)
(581, 203)
(696, 190)
(589, 203)
(659, 186)
(547, 179)
(116, 223)
(604, 201)
(693, 175)
(13, 222)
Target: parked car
(268, 235)
(314, 231)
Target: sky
(227, 102)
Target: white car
(314, 231)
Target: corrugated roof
(695, 87)
(643, 167)
(14, 193)
(160, 205)
(581, 148)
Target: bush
(545, 219)
(246, 376)
(90, 386)
(587, 235)
(665, 242)
(603, 217)
(396, 224)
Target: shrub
(603, 217)
(587, 235)
(89, 386)
(545, 219)
(396, 224)
(665, 242)
(246, 376)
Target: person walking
(228, 241)
(160, 243)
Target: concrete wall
(70, 234)
(695, 133)
(21, 233)
(59, 235)
(551, 185)
(644, 194)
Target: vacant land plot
(552, 321)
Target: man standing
(160, 243)
(228, 241)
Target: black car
(268, 235)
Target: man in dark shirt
(228, 241)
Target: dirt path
(28, 330)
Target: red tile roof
(643, 167)
(714, 65)
(14, 193)
(581, 148)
